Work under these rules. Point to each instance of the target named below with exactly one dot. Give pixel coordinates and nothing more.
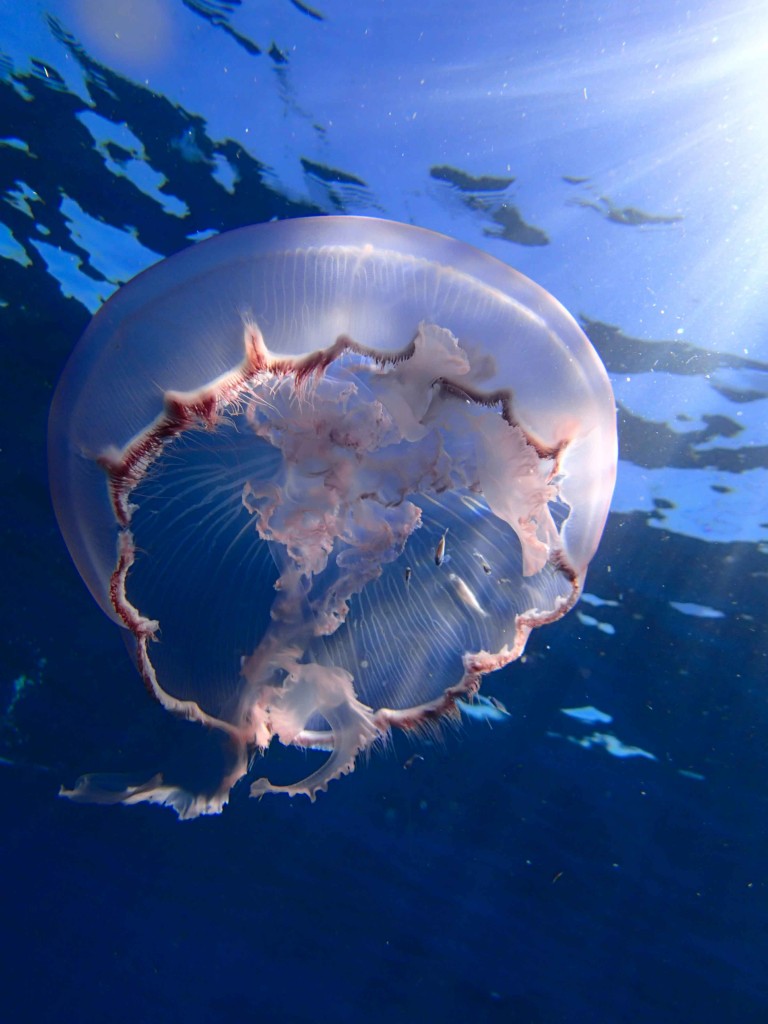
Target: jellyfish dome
(326, 473)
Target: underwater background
(597, 850)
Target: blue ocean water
(598, 853)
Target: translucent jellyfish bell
(328, 473)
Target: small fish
(408, 574)
(557, 876)
(440, 549)
(466, 595)
(483, 564)
(412, 761)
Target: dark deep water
(536, 869)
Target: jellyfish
(326, 474)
